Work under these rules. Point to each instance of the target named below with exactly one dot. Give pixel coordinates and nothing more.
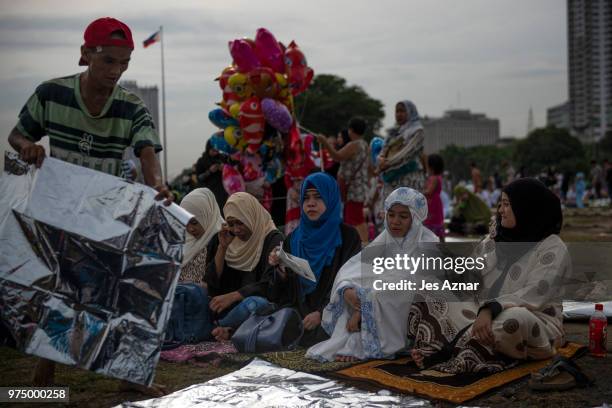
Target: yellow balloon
(238, 84)
(234, 110)
(231, 134)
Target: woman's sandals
(561, 374)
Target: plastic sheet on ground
(88, 267)
(262, 384)
(573, 310)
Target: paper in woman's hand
(299, 266)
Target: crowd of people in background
(456, 206)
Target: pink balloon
(243, 55)
(269, 51)
(276, 114)
(232, 180)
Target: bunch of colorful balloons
(257, 104)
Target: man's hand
(481, 330)
(33, 154)
(215, 168)
(312, 320)
(222, 302)
(164, 193)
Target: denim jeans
(243, 310)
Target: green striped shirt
(56, 109)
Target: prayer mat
(293, 360)
(407, 378)
(206, 352)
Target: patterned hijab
(316, 241)
(242, 255)
(412, 125)
(201, 203)
(417, 203)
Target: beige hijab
(201, 203)
(242, 255)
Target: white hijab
(384, 314)
(201, 203)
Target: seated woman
(519, 316)
(234, 276)
(201, 240)
(326, 243)
(366, 323)
(470, 213)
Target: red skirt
(353, 213)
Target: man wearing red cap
(90, 121)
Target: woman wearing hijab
(202, 229)
(519, 315)
(235, 276)
(209, 173)
(402, 161)
(470, 213)
(362, 320)
(326, 243)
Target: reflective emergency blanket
(262, 384)
(88, 267)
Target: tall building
(149, 95)
(590, 67)
(459, 127)
(558, 116)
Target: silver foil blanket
(88, 267)
(262, 384)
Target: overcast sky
(497, 57)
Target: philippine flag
(156, 37)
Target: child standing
(433, 187)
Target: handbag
(279, 331)
(189, 321)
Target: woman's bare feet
(222, 333)
(354, 323)
(346, 359)
(155, 390)
(417, 357)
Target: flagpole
(165, 142)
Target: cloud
(500, 57)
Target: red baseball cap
(98, 34)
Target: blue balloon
(263, 149)
(221, 119)
(218, 143)
(376, 145)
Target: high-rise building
(149, 95)
(590, 67)
(558, 116)
(459, 127)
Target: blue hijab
(316, 241)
